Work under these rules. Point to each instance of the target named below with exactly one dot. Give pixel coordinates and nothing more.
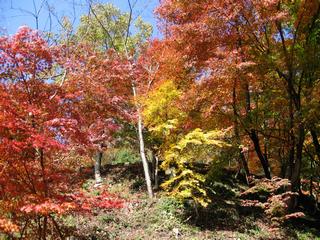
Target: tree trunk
(295, 177)
(254, 136)
(264, 161)
(315, 141)
(45, 226)
(297, 140)
(291, 139)
(242, 162)
(143, 157)
(142, 149)
(156, 171)
(97, 167)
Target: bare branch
(35, 14)
(128, 27)
(101, 24)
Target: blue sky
(14, 13)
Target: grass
(165, 218)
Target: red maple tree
(37, 124)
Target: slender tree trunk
(254, 135)
(252, 132)
(43, 171)
(45, 225)
(290, 164)
(143, 157)
(39, 228)
(297, 139)
(243, 163)
(264, 161)
(56, 225)
(97, 167)
(284, 161)
(156, 171)
(142, 149)
(295, 177)
(315, 141)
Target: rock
(259, 192)
(280, 185)
(294, 216)
(309, 204)
(281, 204)
(251, 206)
(264, 188)
(272, 197)
(276, 208)
(299, 218)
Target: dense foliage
(231, 85)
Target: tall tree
(33, 130)
(99, 83)
(39, 123)
(262, 40)
(106, 27)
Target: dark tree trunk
(292, 139)
(295, 177)
(254, 136)
(315, 141)
(264, 161)
(243, 163)
(296, 137)
(155, 163)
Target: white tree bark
(142, 149)
(156, 175)
(97, 168)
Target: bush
(121, 156)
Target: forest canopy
(230, 92)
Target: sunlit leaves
(161, 113)
(7, 226)
(38, 123)
(106, 28)
(179, 159)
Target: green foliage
(179, 160)
(222, 190)
(170, 206)
(88, 184)
(308, 234)
(225, 159)
(122, 155)
(256, 233)
(277, 209)
(138, 184)
(164, 215)
(107, 27)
